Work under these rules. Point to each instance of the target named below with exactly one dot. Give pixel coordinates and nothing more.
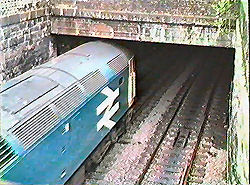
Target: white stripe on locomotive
(110, 109)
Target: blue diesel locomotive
(54, 116)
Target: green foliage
(227, 12)
(226, 7)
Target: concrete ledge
(138, 17)
(142, 31)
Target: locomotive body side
(80, 111)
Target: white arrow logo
(110, 110)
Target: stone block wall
(238, 132)
(25, 39)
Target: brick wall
(25, 39)
(11, 7)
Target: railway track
(175, 152)
(138, 112)
(160, 142)
(207, 167)
(137, 151)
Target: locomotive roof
(85, 68)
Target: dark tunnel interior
(157, 62)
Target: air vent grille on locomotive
(33, 129)
(7, 155)
(118, 63)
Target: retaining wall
(238, 132)
(25, 40)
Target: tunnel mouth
(154, 54)
(158, 68)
